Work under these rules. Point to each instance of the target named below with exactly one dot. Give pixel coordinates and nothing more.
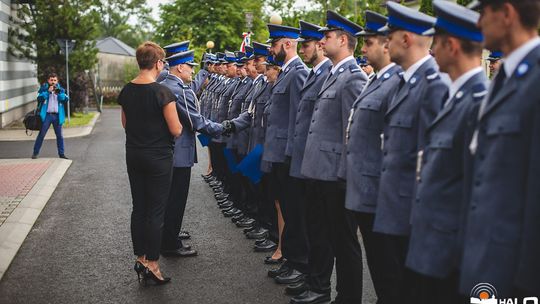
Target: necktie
(499, 82)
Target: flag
(250, 166)
(246, 40)
(203, 139)
(231, 160)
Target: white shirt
(458, 83)
(514, 59)
(413, 68)
(286, 65)
(318, 66)
(385, 69)
(52, 106)
(257, 78)
(336, 67)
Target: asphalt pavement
(79, 250)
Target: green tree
(36, 27)
(426, 7)
(115, 15)
(199, 21)
(464, 2)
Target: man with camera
(51, 99)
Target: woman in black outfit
(151, 123)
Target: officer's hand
(228, 127)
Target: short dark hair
(528, 10)
(471, 48)
(352, 40)
(148, 53)
(51, 75)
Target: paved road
(79, 250)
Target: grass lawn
(79, 119)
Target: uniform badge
(522, 69)
(386, 75)
(459, 94)
(382, 141)
(318, 72)
(413, 80)
(341, 70)
(419, 165)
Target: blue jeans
(50, 118)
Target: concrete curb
(20, 135)
(14, 230)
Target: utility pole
(66, 46)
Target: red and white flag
(246, 40)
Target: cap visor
(192, 63)
(327, 29)
(384, 29)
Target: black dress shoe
(221, 196)
(227, 209)
(257, 234)
(277, 271)
(259, 241)
(225, 204)
(270, 261)
(291, 277)
(238, 218)
(215, 183)
(246, 223)
(186, 247)
(265, 246)
(297, 288)
(34, 156)
(184, 235)
(232, 212)
(310, 297)
(249, 229)
(63, 156)
(180, 252)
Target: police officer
(279, 129)
(494, 60)
(415, 104)
(180, 73)
(434, 248)
(497, 240)
(363, 158)
(332, 229)
(312, 54)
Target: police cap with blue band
(186, 57)
(240, 58)
(403, 18)
(494, 56)
(176, 48)
(270, 61)
(361, 61)
(260, 49)
(249, 51)
(229, 57)
(455, 20)
(220, 58)
(309, 31)
(335, 21)
(282, 31)
(374, 21)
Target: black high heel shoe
(148, 274)
(139, 269)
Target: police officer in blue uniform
(312, 54)
(415, 105)
(494, 60)
(498, 238)
(434, 249)
(332, 229)
(180, 73)
(279, 129)
(363, 154)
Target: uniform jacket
(222, 103)
(326, 134)
(282, 112)
(43, 101)
(363, 157)
(497, 224)
(242, 137)
(195, 85)
(433, 246)
(412, 108)
(235, 107)
(185, 154)
(309, 93)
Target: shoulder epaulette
(432, 74)
(354, 68)
(479, 91)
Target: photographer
(51, 103)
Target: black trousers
(426, 288)
(400, 281)
(374, 247)
(290, 193)
(332, 232)
(176, 205)
(149, 174)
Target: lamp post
(210, 44)
(66, 46)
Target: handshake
(228, 127)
